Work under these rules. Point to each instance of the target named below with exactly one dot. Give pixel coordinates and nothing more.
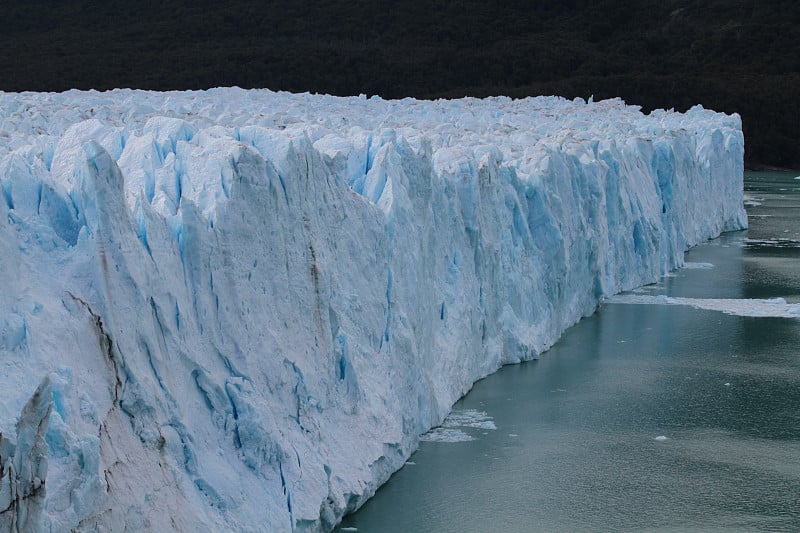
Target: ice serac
(23, 465)
(238, 310)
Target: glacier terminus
(239, 309)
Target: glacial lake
(643, 417)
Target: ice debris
(753, 307)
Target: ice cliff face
(237, 310)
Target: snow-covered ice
(239, 310)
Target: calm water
(642, 417)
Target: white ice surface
(241, 309)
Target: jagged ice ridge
(238, 310)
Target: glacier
(239, 309)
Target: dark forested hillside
(729, 55)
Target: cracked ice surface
(238, 310)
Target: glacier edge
(247, 306)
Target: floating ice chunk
(459, 418)
(751, 201)
(441, 434)
(661, 438)
(697, 266)
(469, 418)
(775, 242)
(772, 307)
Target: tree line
(729, 55)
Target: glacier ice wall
(237, 310)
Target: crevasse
(238, 310)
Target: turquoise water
(642, 417)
